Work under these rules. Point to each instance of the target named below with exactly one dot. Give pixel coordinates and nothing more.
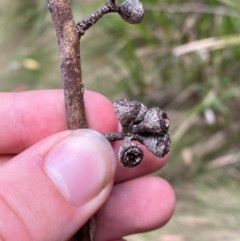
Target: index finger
(27, 117)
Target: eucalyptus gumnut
(140, 115)
(158, 145)
(130, 154)
(126, 110)
(129, 111)
(155, 121)
(131, 11)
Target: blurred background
(185, 58)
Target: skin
(137, 203)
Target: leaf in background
(231, 3)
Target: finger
(135, 206)
(27, 117)
(4, 159)
(48, 191)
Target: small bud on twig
(130, 10)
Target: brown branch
(69, 51)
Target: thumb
(50, 190)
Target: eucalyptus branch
(69, 52)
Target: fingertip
(163, 202)
(135, 206)
(82, 154)
(153, 201)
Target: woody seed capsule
(147, 126)
(131, 11)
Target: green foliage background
(184, 57)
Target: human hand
(52, 180)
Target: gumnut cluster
(147, 126)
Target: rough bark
(69, 52)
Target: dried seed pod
(130, 154)
(131, 11)
(155, 121)
(158, 145)
(126, 110)
(140, 115)
(149, 127)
